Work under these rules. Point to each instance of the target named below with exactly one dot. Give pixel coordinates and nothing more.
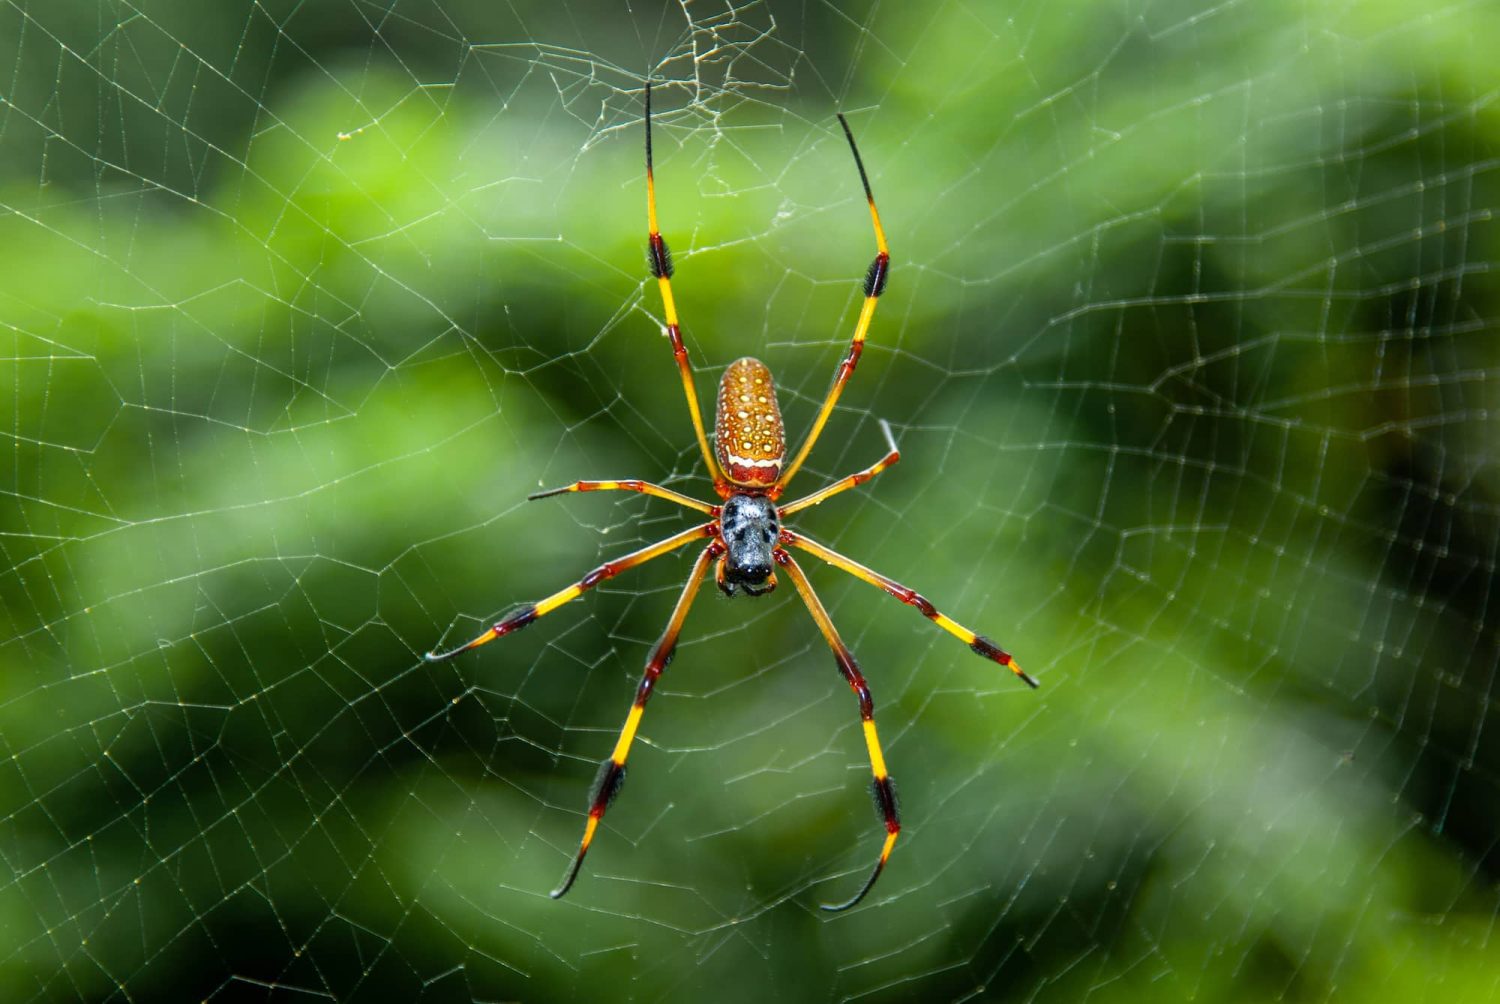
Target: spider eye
(761, 586)
(756, 572)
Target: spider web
(1190, 348)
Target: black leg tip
(841, 907)
(568, 879)
(863, 892)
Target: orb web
(1190, 350)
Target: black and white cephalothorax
(750, 529)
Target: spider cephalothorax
(746, 534)
(750, 530)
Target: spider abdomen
(748, 434)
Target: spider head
(755, 581)
(749, 528)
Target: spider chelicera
(746, 538)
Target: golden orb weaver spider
(746, 536)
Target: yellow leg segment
(661, 267)
(853, 480)
(612, 771)
(977, 643)
(524, 616)
(875, 280)
(627, 734)
(643, 487)
(885, 792)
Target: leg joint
(983, 646)
(517, 620)
(884, 790)
(659, 257)
(678, 349)
(607, 784)
(866, 702)
(875, 278)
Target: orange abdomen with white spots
(748, 436)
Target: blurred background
(1191, 349)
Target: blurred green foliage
(1191, 349)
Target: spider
(747, 540)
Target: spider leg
(874, 285)
(884, 789)
(851, 481)
(660, 259)
(612, 771)
(531, 611)
(644, 487)
(978, 643)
